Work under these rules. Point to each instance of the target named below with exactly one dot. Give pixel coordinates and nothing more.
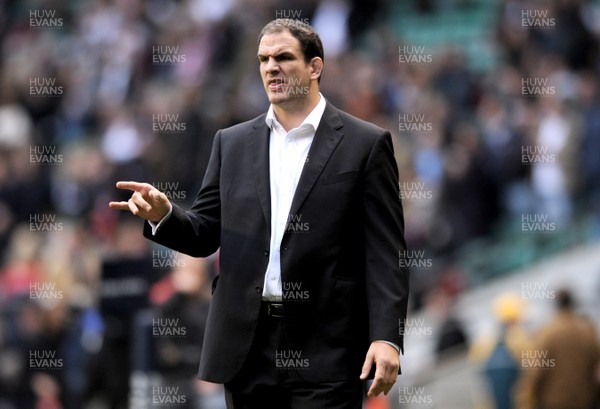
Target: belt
(274, 309)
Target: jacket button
(258, 289)
(266, 253)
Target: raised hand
(146, 201)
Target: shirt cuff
(396, 347)
(156, 226)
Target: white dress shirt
(288, 152)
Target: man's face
(286, 76)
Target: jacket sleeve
(196, 232)
(387, 280)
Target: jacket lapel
(327, 137)
(258, 148)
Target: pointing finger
(135, 186)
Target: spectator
(566, 355)
(500, 355)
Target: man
(563, 373)
(304, 204)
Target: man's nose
(272, 65)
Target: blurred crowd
(92, 92)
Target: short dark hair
(310, 42)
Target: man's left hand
(386, 360)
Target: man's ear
(316, 67)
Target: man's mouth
(275, 84)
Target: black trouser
(264, 383)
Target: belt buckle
(272, 309)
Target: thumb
(366, 368)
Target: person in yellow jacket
(500, 355)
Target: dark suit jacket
(340, 255)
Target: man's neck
(292, 114)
